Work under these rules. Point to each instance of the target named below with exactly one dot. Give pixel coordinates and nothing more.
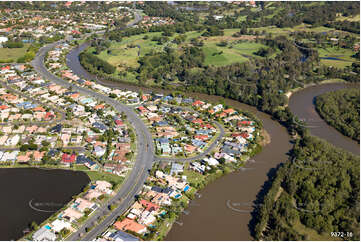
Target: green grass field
(11, 55)
(343, 57)
(355, 18)
(97, 175)
(220, 56)
(285, 31)
(122, 55)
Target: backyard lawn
(97, 175)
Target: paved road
(145, 154)
(144, 159)
(203, 154)
(200, 156)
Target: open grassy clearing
(339, 57)
(96, 176)
(122, 54)
(355, 18)
(127, 52)
(220, 56)
(11, 55)
(285, 31)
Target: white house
(58, 225)
(44, 234)
(211, 161)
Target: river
(223, 212)
(302, 105)
(30, 194)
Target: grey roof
(44, 234)
(120, 235)
(176, 168)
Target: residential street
(203, 154)
(143, 162)
(38, 123)
(145, 154)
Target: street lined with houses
(195, 138)
(145, 156)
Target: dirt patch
(280, 190)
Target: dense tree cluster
(13, 44)
(161, 9)
(169, 65)
(318, 189)
(341, 109)
(264, 52)
(295, 13)
(353, 27)
(94, 64)
(213, 31)
(100, 45)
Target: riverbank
(341, 110)
(285, 208)
(292, 91)
(253, 178)
(302, 105)
(213, 200)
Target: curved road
(249, 183)
(200, 156)
(144, 160)
(203, 154)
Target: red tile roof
(128, 224)
(149, 205)
(68, 158)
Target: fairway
(336, 57)
(234, 53)
(11, 55)
(286, 31)
(355, 18)
(127, 52)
